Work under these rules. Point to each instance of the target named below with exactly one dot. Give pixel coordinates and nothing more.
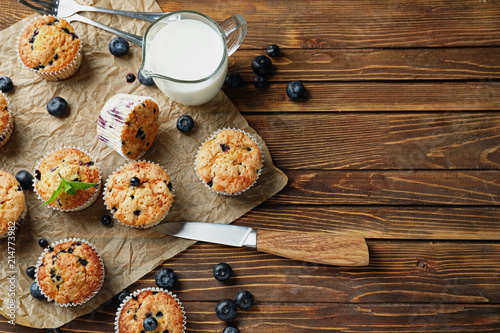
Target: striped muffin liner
(213, 136)
(86, 204)
(112, 119)
(149, 225)
(62, 73)
(5, 134)
(20, 220)
(40, 261)
(137, 292)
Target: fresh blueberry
(185, 123)
(166, 278)
(30, 271)
(53, 330)
(120, 297)
(57, 107)
(150, 324)
(118, 47)
(259, 82)
(273, 50)
(145, 80)
(42, 242)
(234, 80)
(226, 310)
(261, 65)
(35, 291)
(134, 181)
(6, 84)
(130, 77)
(25, 179)
(106, 220)
(244, 299)
(222, 271)
(231, 329)
(295, 90)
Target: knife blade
(316, 247)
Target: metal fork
(75, 17)
(66, 8)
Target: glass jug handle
(235, 29)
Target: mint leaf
(80, 185)
(69, 187)
(55, 194)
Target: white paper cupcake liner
(40, 261)
(213, 136)
(112, 119)
(86, 204)
(149, 225)
(137, 292)
(20, 220)
(62, 73)
(5, 134)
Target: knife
(316, 247)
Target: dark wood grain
(448, 140)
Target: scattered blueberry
(234, 80)
(30, 271)
(259, 82)
(261, 65)
(150, 324)
(273, 50)
(118, 47)
(166, 278)
(106, 220)
(185, 123)
(57, 107)
(130, 77)
(53, 330)
(145, 80)
(226, 310)
(25, 179)
(35, 291)
(231, 329)
(244, 299)
(6, 84)
(134, 181)
(295, 90)
(222, 271)
(42, 242)
(121, 296)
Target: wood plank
(363, 23)
(468, 187)
(370, 96)
(375, 64)
(436, 223)
(11, 12)
(449, 140)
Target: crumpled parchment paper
(128, 254)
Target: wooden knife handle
(321, 248)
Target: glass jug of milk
(185, 52)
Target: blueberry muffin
(50, 47)
(70, 272)
(139, 194)
(150, 310)
(13, 207)
(6, 120)
(71, 164)
(129, 124)
(229, 162)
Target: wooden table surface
(398, 141)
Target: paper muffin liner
(40, 261)
(112, 119)
(62, 73)
(86, 204)
(149, 225)
(20, 220)
(137, 292)
(213, 136)
(5, 134)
